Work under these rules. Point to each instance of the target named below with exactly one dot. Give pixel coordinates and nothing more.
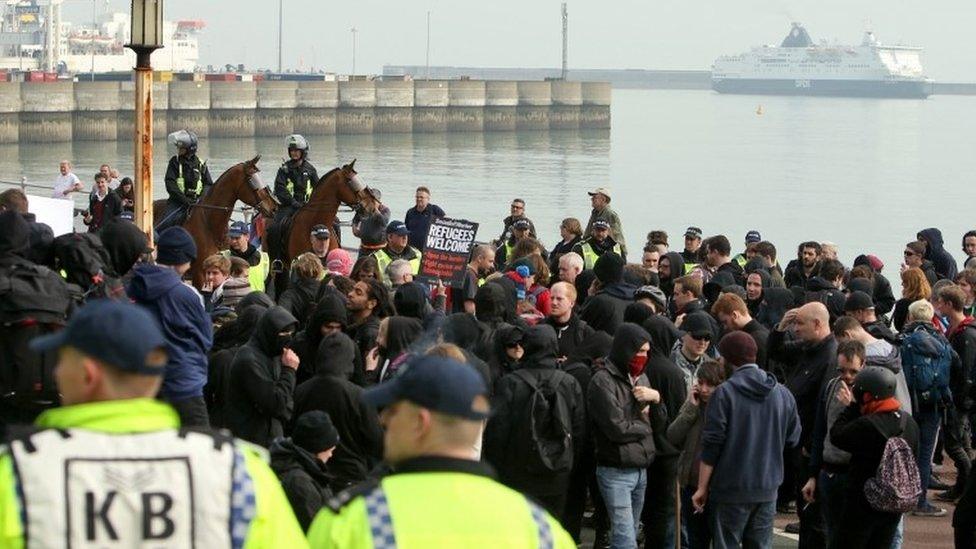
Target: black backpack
(546, 429)
(34, 301)
(85, 262)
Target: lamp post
(147, 36)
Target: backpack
(896, 486)
(86, 263)
(927, 374)
(34, 301)
(546, 429)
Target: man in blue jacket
(186, 326)
(750, 420)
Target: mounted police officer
(296, 178)
(187, 179)
(113, 468)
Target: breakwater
(36, 112)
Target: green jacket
(273, 525)
(616, 228)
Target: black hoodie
(623, 435)
(945, 264)
(124, 243)
(677, 265)
(510, 407)
(330, 390)
(472, 337)
(299, 299)
(401, 333)
(666, 377)
(259, 401)
(331, 308)
(227, 340)
(303, 478)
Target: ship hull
(825, 88)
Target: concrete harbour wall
(95, 111)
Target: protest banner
(447, 250)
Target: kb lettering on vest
(113, 501)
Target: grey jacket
(685, 433)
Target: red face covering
(636, 365)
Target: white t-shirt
(62, 183)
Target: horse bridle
(256, 195)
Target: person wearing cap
(300, 462)
(516, 212)
(693, 241)
(520, 229)
(597, 243)
(439, 494)
(296, 178)
(397, 247)
(419, 217)
(600, 200)
(239, 245)
(370, 222)
(187, 179)
(691, 349)
(860, 306)
(320, 239)
(884, 298)
(180, 312)
(114, 454)
(872, 417)
(752, 237)
(750, 421)
(653, 298)
(624, 434)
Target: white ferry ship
(33, 37)
(800, 67)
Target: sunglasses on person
(513, 344)
(704, 337)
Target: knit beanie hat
(339, 262)
(175, 247)
(609, 268)
(315, 432)
(738, 348)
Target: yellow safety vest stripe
(181, 183)
(383, 261)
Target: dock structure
(96, 111)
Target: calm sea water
(864, 173)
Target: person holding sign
(397, 235)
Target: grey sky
(526, 33)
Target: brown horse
(338, 186)
(209, 218)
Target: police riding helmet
(183, 139)
(877, 381)
(296, 141)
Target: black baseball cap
(858, 301)
(697, 325)
(522, 224)
(436, 383)
(601, 224)
(320, 232)
(397, 227)
(119, 334)
(693, 232)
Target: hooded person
(755, 293)
(775, 303)
(300, 464)
(394, 346)
(262, 380)
(623, 434)
(329, 314)
(125, 244)
(674, 268)
(606, 307)
(945, 264)
(330, 390)
(582, 283)
(714, 287)
(497, 301)
(503, 363)
(254, 298)
(227, 340)
(473, 338)
(410, 300)
(508, 440)
(637, 313)
(751, 419)
(664, 376)
(884, 298)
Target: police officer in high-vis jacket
(113, 468)
(439, 494)
(187, 179)
(296, 178)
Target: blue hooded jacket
(750, 420)
(186, 326)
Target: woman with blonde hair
(914, 286)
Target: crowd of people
(682, 397)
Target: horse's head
(263, 199)
(354, 190)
